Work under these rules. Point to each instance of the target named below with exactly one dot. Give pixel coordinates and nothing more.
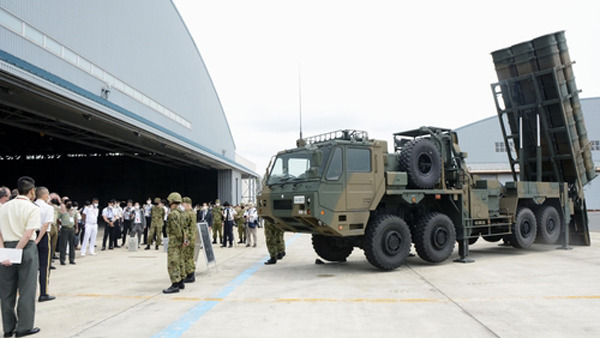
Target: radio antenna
(300, 98)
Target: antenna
(300, 98)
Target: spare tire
(422, 162)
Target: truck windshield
(298, 166)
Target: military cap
(174, 197)
(157, 200)
(187, 200)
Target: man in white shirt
(19, 219)
(109, 217)
(90, 221)
(43, 240)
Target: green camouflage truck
(348, 191)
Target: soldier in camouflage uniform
(191, 233)
(275, 242)
(217, 222)
(240, 223)
(177, 240)
(157, 213)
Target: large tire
(387, 242)
(524, 230)
(548, 224)
(422, 162)
(333, 249)
(435, 237)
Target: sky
(378, 66)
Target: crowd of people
(54, 228)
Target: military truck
(348, 191)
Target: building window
(500, 147)
(595, 145)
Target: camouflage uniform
(217, 224)
(175, 232)
(240, 223)
(274, 239)
(157, 213)
(190, 231)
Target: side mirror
(317, 159)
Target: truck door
(331, 191)
(360, 187)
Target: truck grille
(283, 204)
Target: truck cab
(327, 185)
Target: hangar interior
(71, 148)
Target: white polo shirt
(46, 213)
(18, 216)
(91, 215)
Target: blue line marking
(185, 322)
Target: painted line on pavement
(326, 300)
(186, 321)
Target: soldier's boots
(147, 247)
(272, 260)
(181, 285)
(172, 289)
(281, 255)
(156, 247)
(190, 278)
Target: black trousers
(66, 238)
(126, 228)
(111, 234)
(228, 233)
(148, 222)
(117, 232)
(44, 258)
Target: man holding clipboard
(19, 219)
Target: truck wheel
(524, 229)
(422, 162)
(549, 224)
(387, 242)
(435, 237)
(333, 249)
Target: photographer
(251, 217)
(68, 218)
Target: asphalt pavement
(540, 292)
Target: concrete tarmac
(540, 292)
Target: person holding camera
(68, 219)
(251, 217)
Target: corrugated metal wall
(230, 186)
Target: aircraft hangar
(112, 99)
